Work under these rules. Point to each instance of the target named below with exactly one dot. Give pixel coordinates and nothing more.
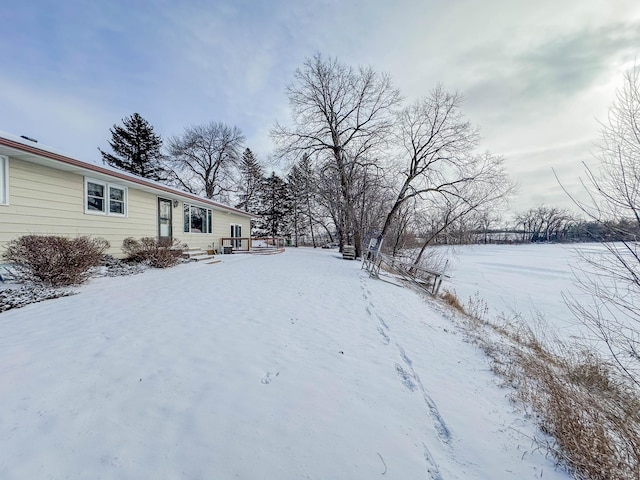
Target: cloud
(534, 74)
(570, 64)
(513, 84)
(543, 172)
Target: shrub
(26, 294)
(156, 253)
(116, 267)
(53, 260)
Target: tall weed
(589, 411)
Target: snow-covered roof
(30, 150)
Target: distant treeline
(584, 231)
(571, 232)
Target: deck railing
(235, 244)
(267, 242)
(244, 244)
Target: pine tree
(296, 186)
(275, 207)
(251, 179)
(136, 149)
(299, 181)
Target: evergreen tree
(296, 186)
(136, 149)
(300, 181)
(275, 207)
(251, 179)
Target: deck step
(266, 251)
(202, 257)
(197, 255)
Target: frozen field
(291, 366)
(525, 279)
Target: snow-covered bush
(156, 253)
(54, 260)
(26, 294)
(115, 267)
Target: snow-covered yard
(260, 367)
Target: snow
(526, 280)
(285, 366)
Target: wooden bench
(349, 252)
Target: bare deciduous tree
(202, 159)
(612, 278)
(438, 160)
(485, 219)
(544, 223)
(400, 235)
(341, 117)
(447, 211)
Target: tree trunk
(399, 201)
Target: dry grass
(451, 300)
(590, 413)
(593, 417)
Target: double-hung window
(105, 198)
(4, 180)
(197, 219)
(117, 198)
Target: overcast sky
(535, 75)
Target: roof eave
(30, 153)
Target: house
(45, 192)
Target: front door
(165, 233)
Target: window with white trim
(105, 198)
(117, 200)
(4, 180)
(197, 219)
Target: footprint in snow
(412, 378)
(432, 466)
(382, 322)
(266, 380)
(383, 334)
(404, 356)
(407, 378)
